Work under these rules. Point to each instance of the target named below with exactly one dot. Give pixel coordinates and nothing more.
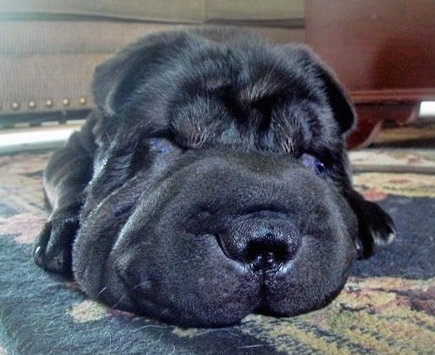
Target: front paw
(53, 246)
(376, 228)
(381, 226)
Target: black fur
(210, 182)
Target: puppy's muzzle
(264, 241)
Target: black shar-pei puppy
(210, 182)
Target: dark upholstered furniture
(49, 49)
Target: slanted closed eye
(163, 150)
(311, 162)
(159, 145)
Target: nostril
(266, 255)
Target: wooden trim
(392, 96)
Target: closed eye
(314, 164)
(159, 145)
(163, 151)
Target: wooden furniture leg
(372, 116)
(374, 107)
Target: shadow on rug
(387, 306)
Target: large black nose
(263, 241)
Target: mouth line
(265, 279)
(263, 306)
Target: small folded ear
(376, 228)
(336, 95)
(107, 81)
(340, 102)
(116, 79)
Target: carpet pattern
(386, 307)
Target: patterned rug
(386, 307)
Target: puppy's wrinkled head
(221, 184)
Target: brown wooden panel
(373, 44)
(383, 51)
